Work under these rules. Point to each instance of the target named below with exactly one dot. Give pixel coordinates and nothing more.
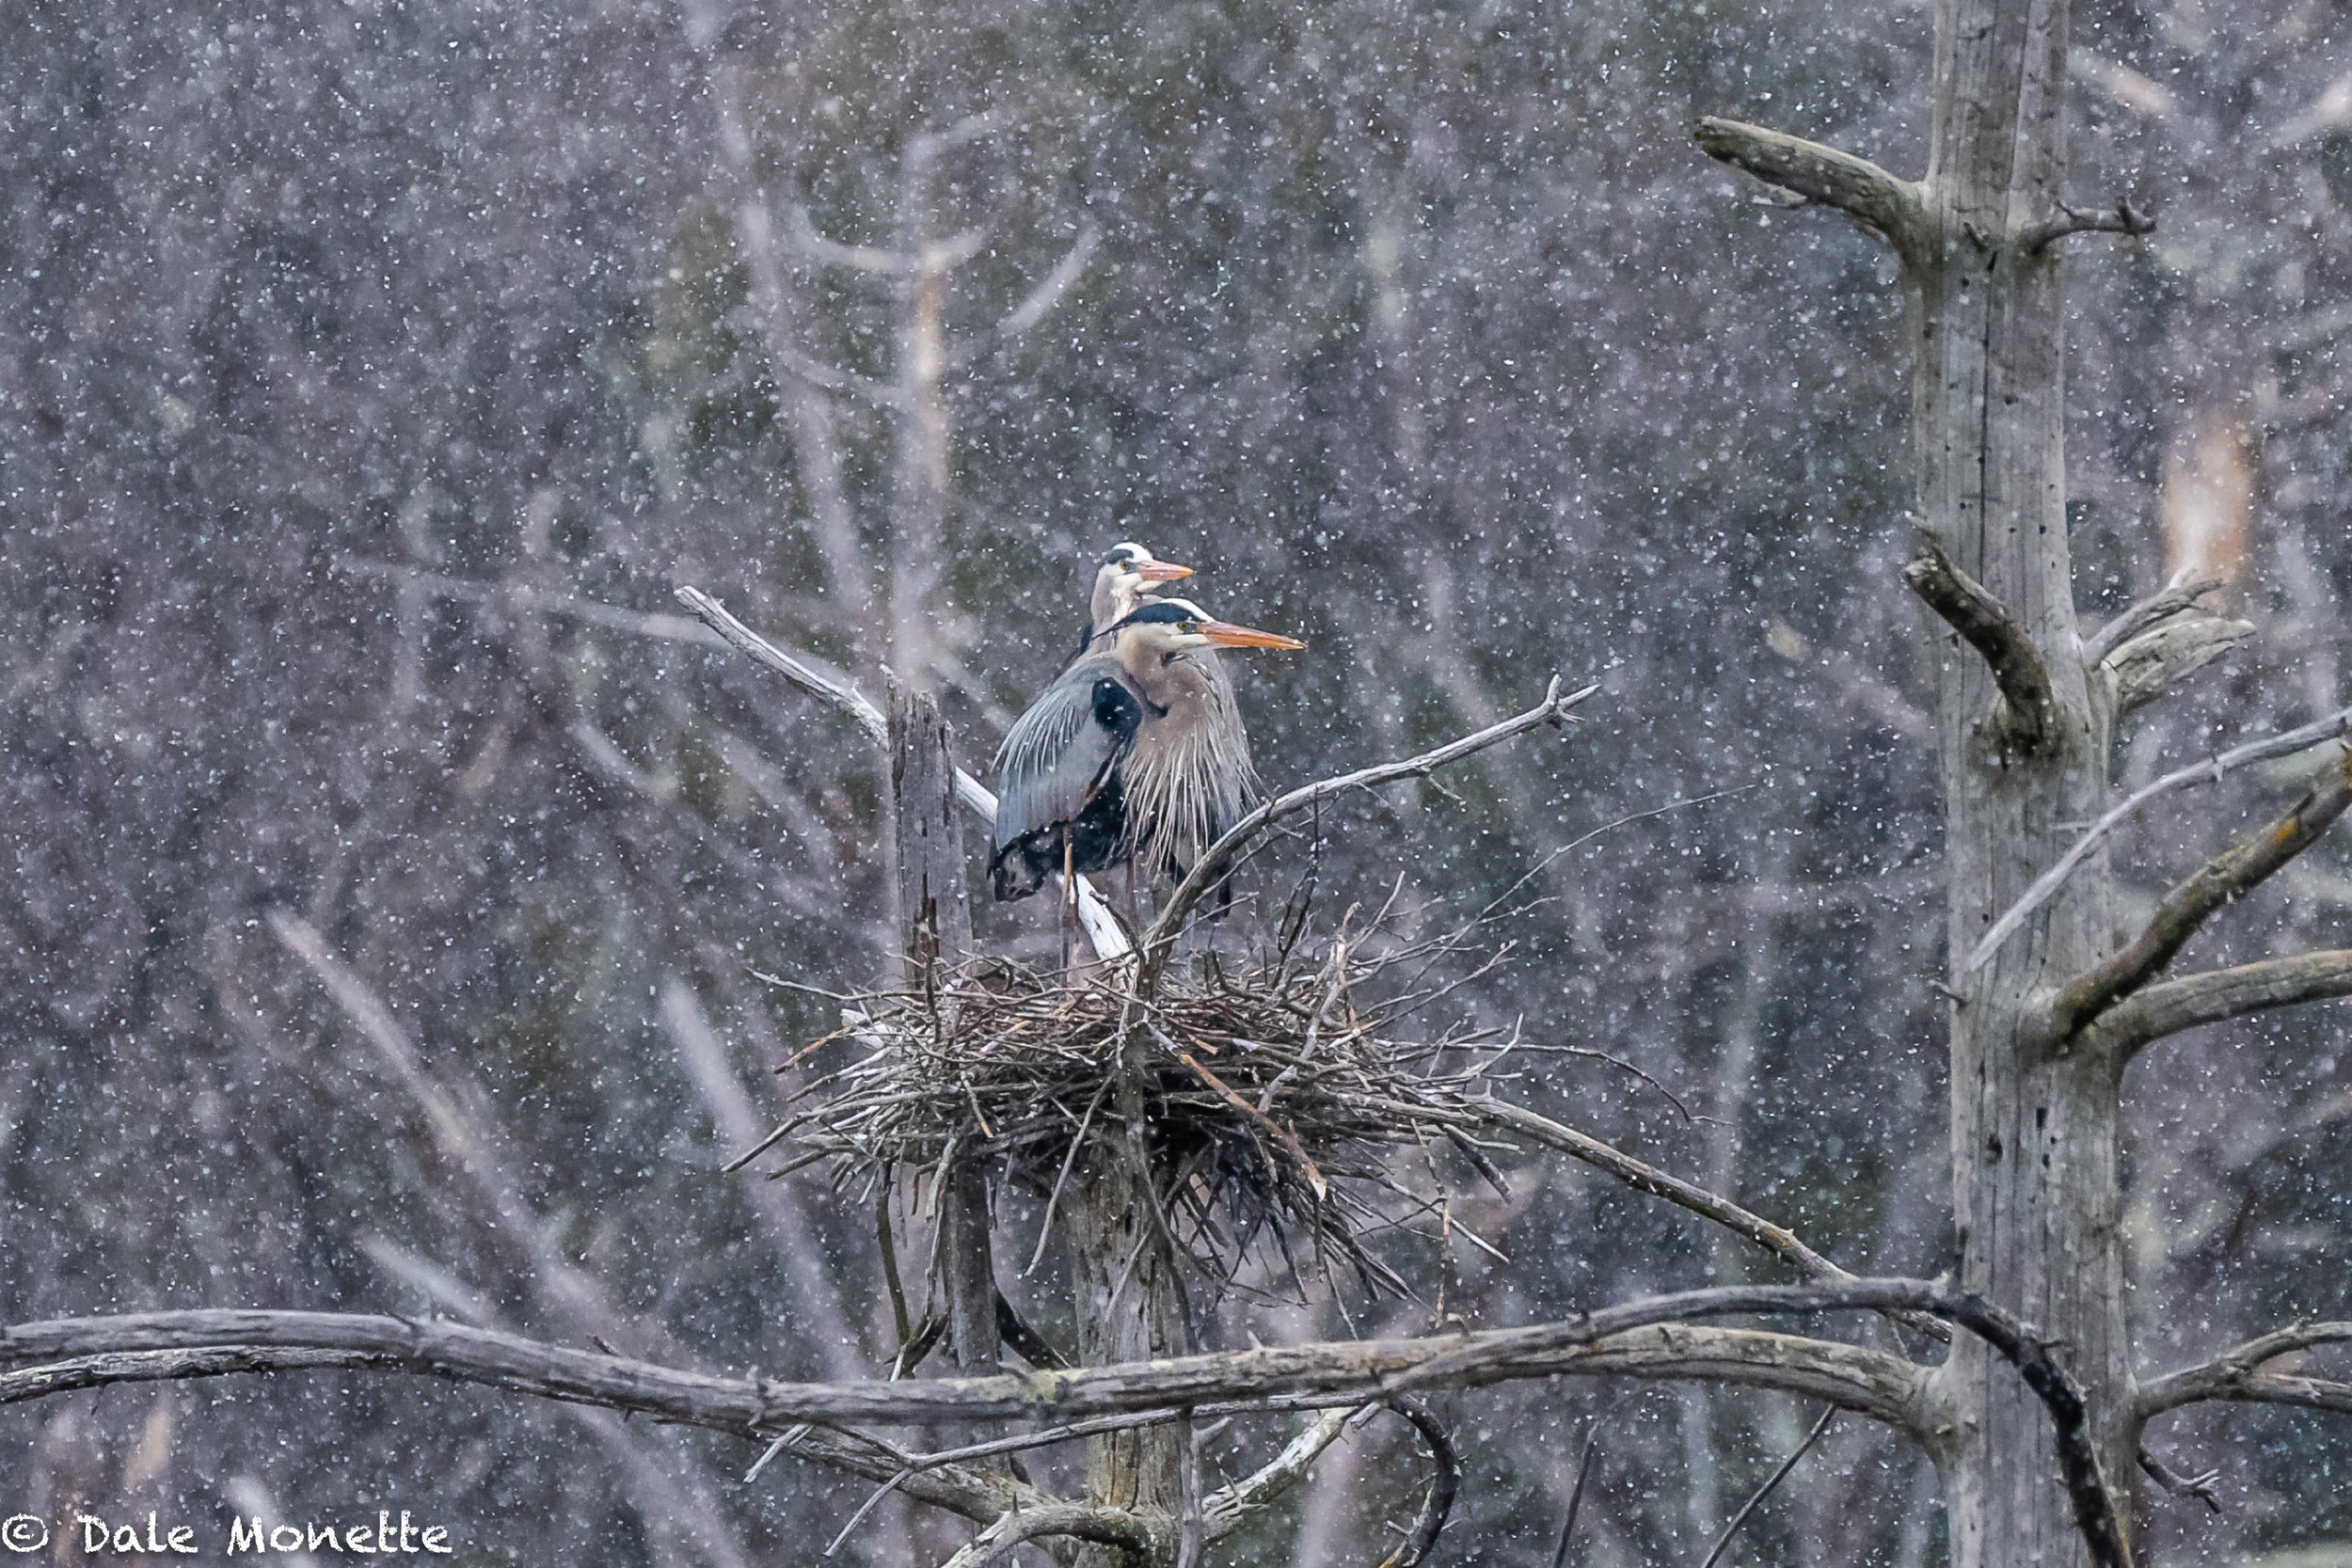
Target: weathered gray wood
(2033, 1131)
(1124, 1287)
(934, 899)
(935, 931)
(968, 1270)
(2034, 1136)
(1650, 1338)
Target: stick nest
(1278, 1108)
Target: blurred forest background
(389, 860)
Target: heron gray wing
(1057, 753)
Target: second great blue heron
(1127, 573)
(1136, 755)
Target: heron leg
(1069, 893)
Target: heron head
(1128, 572)
(1165, 628)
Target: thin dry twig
(2047, 884)
(1214, 864)
(1724, 1540)
(1576, 1501)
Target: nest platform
(1280, 1109)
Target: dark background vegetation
(348, 346)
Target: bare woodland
(1781, 1002)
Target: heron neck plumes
(1189, 776)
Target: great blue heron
(1136, 755)
(1127, 573)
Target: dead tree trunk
(2022, 736)
(934, 932)
(2034, 1127)
(1123, 1282)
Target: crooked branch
(2157, 660)
(2046, 885)
(2174, 599)
(1437, 1503)
(1643, 1178)
(2223, 880)
(1856, 187)
(1110, 1527)
(1648, 1338)
(1969, 609)
(1214, 865)
(2122, 219)
(2159, 1010)
(1094, 914)
(2235, 1376)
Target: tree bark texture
(934, 929)
(2033, 1130)
(1129, 1309)
(935, 904)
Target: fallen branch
(2048, 884)
(2223, 880)
(1214, 865)
(1970, 609)
(1856, 187)
(2169, 1008)
(1102, 926)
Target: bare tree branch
(1216, 862)
(2122, 219)
(803, 236)
(2223, 880)
(1969, 609)
(1612, 1340)
(1757, 1498)
(2236, 1375)
(1102, 926)
(1437, 1504)
(1111, 1527)
(2045, 885)
(831, 378)
(824, 684)
(667, 628)
(1641, 1339)
(2164, 1009)
(2176, 598)
(2199, 1486)
(2149, 665)
(1777, 1239)
(1823, 174)
(1036, 306)
(1227, 1508)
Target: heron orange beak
(1224, 634)
(1162, 571)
